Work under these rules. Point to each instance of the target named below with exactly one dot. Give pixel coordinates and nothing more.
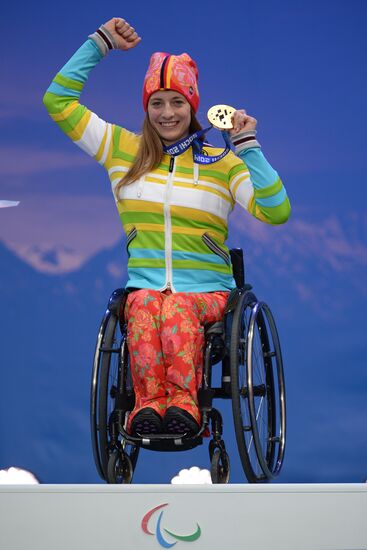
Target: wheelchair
(247, 345)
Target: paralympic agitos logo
(158, 532)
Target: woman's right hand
(124, 34)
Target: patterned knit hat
(172, 72)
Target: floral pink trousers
(165, 337)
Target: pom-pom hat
(172, 72)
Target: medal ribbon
(193, 140)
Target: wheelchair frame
(247, 344)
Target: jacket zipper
(168, 226)
(216, 248)
(140, 187)
(132, 234)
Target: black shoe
(145, 422)
(178, 421)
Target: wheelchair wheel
(119, 468)
(219, 467)
(110, 371)
(258, 389)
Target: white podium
(187, 517)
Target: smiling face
(170, 115)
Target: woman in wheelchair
(174, 193)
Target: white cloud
(17, 476)
(8, 204)
(192, 476)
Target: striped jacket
(175, 217)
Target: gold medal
(220, 116)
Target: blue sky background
(299, 68)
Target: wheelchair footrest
(173, 444)
(164, 442)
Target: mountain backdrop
(49, 325)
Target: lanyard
(193, 140)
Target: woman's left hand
(242, 122)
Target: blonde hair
(150, 152)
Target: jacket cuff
(104, 40)
(244, 140)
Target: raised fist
(123, 33)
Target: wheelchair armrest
(117, 300)
(234, 296)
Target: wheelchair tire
(219, 467)
(119, 468)
(109, 357)
(258, 389)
